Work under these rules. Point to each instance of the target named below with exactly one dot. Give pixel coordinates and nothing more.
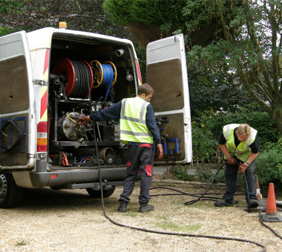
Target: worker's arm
(111, 112)
(230, 160)
(153, 128)
(255, 151)
(244, 166)
(152, 125)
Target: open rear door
(15, 100)
(167, 74)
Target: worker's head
(145, 92)
(243, 132)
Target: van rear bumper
(61, 178)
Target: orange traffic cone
(271, 210)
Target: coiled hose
(19, 134)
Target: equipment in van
(52, 77)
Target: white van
(51, 77)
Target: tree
(155, 19)
(251, 49)
(86, 15)
(215, 91)
(240, 38)
(6, 8)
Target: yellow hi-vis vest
(243, 150)
(133, 126)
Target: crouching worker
(240, 145)
(139, 129)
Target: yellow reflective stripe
(135, 133)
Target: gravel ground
(68, 220)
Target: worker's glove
(84, 120)
(231, 160)
(160, 151)
(243, 167)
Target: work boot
(123, 206)
(253, 203)
(145, 207)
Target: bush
(269, 164)
(204, 144)
(261, 121)
(180, 173)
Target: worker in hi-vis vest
(240, 146)
(138, 129)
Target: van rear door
(16, 115)
(167, 74)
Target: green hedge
(261, 121)
(269, 164)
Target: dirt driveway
(71, 221)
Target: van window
(13, 85)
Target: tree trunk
(277, 116)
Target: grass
(21, 242)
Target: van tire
(10, 194)
(97, 193)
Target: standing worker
(139, 129)
(239, 144)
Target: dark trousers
(141, 158)
(230, 174)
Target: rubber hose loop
(13, 123)
(98, 72)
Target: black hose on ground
(161, 232)
(187, 203)
(262, 223)
(247, 193)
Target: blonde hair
(244, 129)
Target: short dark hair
(146, 89)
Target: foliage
(215, 91)
(204, 174)
(241, 38)
(204, 144)
(261, 121)
(86, 15)
(180, 173)
(155, 19)
(147, 20)
(251, 49)
(269, 164)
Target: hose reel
(79, 77)
(105, 75)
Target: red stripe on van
(43, 104)
(46, 62)
(138, 72)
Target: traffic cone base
(271, 210)
(271, 217)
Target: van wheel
(10, 194)
(97, 193)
